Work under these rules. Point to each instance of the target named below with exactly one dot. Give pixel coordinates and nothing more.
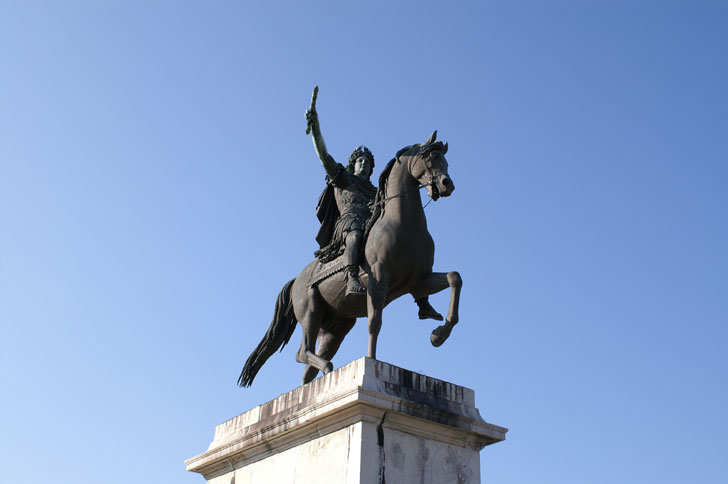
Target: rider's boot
(426, 310)
(353, 284)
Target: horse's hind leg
(328, 344)
(434, 283)
(310, 324)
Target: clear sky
(157, 190)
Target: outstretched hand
(311, 115)
(311, 119)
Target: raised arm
(313, 127)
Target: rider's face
(363, 167)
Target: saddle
(324, 270)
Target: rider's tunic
(343, 207)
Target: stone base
(367, 422)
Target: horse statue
(398, 257)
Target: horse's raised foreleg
(328, 344)
(310, 324)
(434, 283)
(376, 296)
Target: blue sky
(157, 190)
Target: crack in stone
(380, 443)
(348, 450)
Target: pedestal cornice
(365, 390)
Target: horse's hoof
(328, 368)
(440, 334)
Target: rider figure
(349, 210)
(344, 208)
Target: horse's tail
(279, 332)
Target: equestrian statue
(374, 248)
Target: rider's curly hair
(360, 151)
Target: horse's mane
(381, 196)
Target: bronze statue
(328, 295)
(344, 208)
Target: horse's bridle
(430, 176)
(431, 180)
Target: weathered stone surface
(367, 422)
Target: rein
(384, 201)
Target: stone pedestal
(368, 422)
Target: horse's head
(429, 167)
